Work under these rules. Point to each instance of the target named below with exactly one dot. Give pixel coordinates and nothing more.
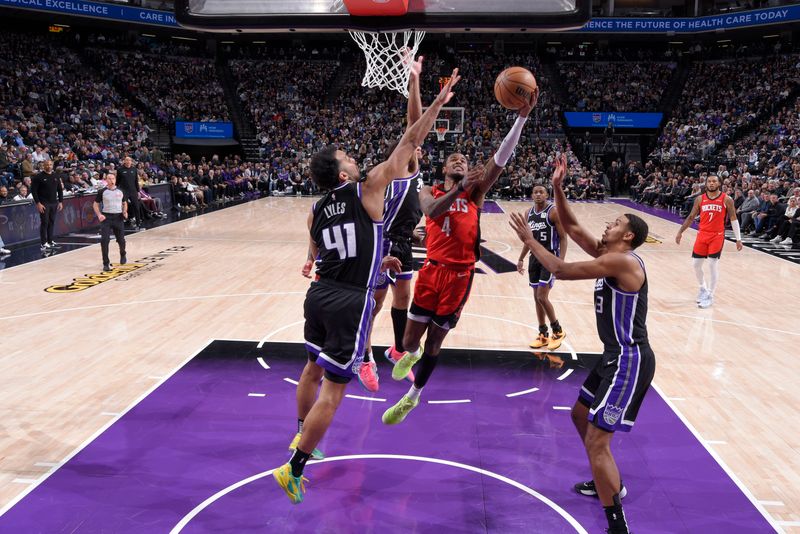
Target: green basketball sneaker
(399, 411)
(404, 365)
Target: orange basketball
(514, 86)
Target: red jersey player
(714, 207)
(444, 282)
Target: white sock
(698, 271)
(413, 392)
(714, 264)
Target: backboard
(427, 15)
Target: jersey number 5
(343, 243)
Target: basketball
(514, 86)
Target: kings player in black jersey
(614, 390)
(547, 230)
(347, 232)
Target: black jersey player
(547, 230)
(347, 230)
(610, 397)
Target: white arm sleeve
(508, 145)
(737, 232)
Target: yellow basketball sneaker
(404, 365)
(541, 341)
(294, 486)
(556, 339)
(399, 411)
(316, 454)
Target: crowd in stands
(172, 87)
(86, 111)
(720, 98)
(616, 86)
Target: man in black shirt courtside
(48, 194)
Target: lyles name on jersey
(337, 208)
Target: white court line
(523, 392)
(359, 397)
(225, 491)
(295, 382)
(566, 374)
(102, 429)
(256, 394)
(771, 503)
(719, 460)
(261, 362)
(457, 401)
(562, 408)
(111, 414)
(46, 464)
(153, 301)
(26, 480)
(281, 329)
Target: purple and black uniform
(544, 231)
(615, 388)
(339, 304)
(401, 214)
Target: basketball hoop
(441, 132)
(389, 57)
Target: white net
(389, 57)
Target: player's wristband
(737, 232)
(508, 145)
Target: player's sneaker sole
(397, 413)
(404, 365)
(388, 355)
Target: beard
(456, 176)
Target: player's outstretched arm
(563, 237)
(434, 207)
(737, 232)
(503, 154)
(414, 107)
(622, 267)
(397, 163)
(566, 218)
(692, 214)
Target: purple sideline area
(650, 210)
(201, 431)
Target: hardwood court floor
(72, 361)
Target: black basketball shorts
(615, 388)
(338, 319)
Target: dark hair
(325, 168)
(639, 228)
